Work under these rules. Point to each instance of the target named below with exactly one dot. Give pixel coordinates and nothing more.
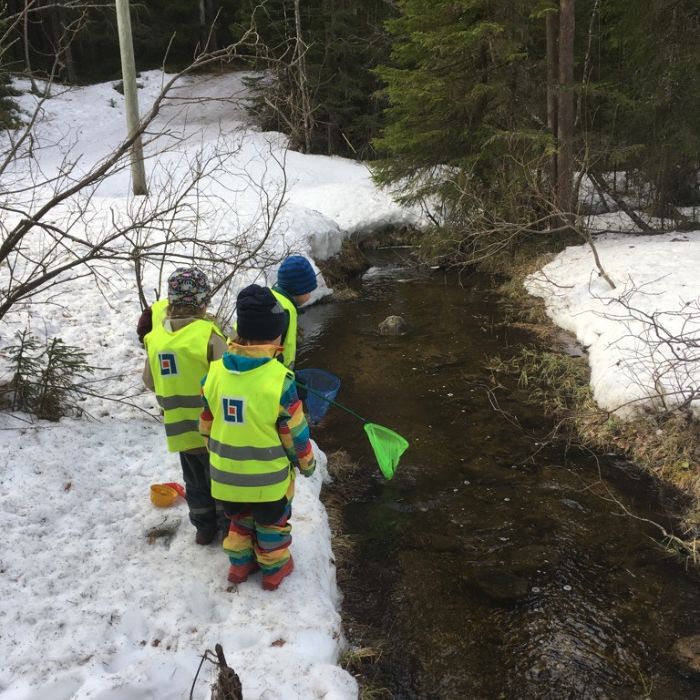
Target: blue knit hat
(296, 276)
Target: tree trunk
(27, 59)
(305, 102)
(207, 27)
(203, 30)
(62, 38)
(565, 127)
(552, 27)
(131, 100)
(211, 18)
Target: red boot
(238, 573)
(272, 581)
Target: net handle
(331, 401)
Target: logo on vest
(233, 410)
(168, 366)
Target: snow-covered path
(90, 607)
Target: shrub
(45, 380)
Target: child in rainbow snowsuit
(256, 431)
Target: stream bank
(490, 566)
(557, 377)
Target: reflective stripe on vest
(178, 362)
(171, 402)
(182, 427)
(248, 463)
(290, 339)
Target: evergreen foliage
(464, 122)
(343, 42)
(8, 107)
(448, 97)
(45, 379)
(466, 127)
(9, 112)
(166, 32)
(25, 369)
(643, 105)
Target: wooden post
(131, 100)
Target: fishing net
(323, 388)
(388, 447)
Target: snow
(92, 607)
(641, 337)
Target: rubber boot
(238, 573)
(271, 582)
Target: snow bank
(91, 607)
(641, 337)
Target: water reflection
(494, 567)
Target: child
(256, 431)
(296, 280)
(180, 348)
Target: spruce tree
(45, 381)
(26, 369)
(57, 389)
(643, 105)
(462, 98)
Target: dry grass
(669, 447)
(340, 465)
(371, 692)
(349, 263)
(518, 305)
(354, 658)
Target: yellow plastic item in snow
(163, 495)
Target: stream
(492, 565)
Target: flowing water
(492, 566)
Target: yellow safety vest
(290, 339)
(159, 312)
(248, 463)
(178, 362)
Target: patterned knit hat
(296, 276)
(188, 286)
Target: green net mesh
(388, 447)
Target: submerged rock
(532, 557)
(393, 325)
(344, 294)
(686, 653)
(500, 586)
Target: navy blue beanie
(259, 316)
(296, 276)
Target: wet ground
(491, 565)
